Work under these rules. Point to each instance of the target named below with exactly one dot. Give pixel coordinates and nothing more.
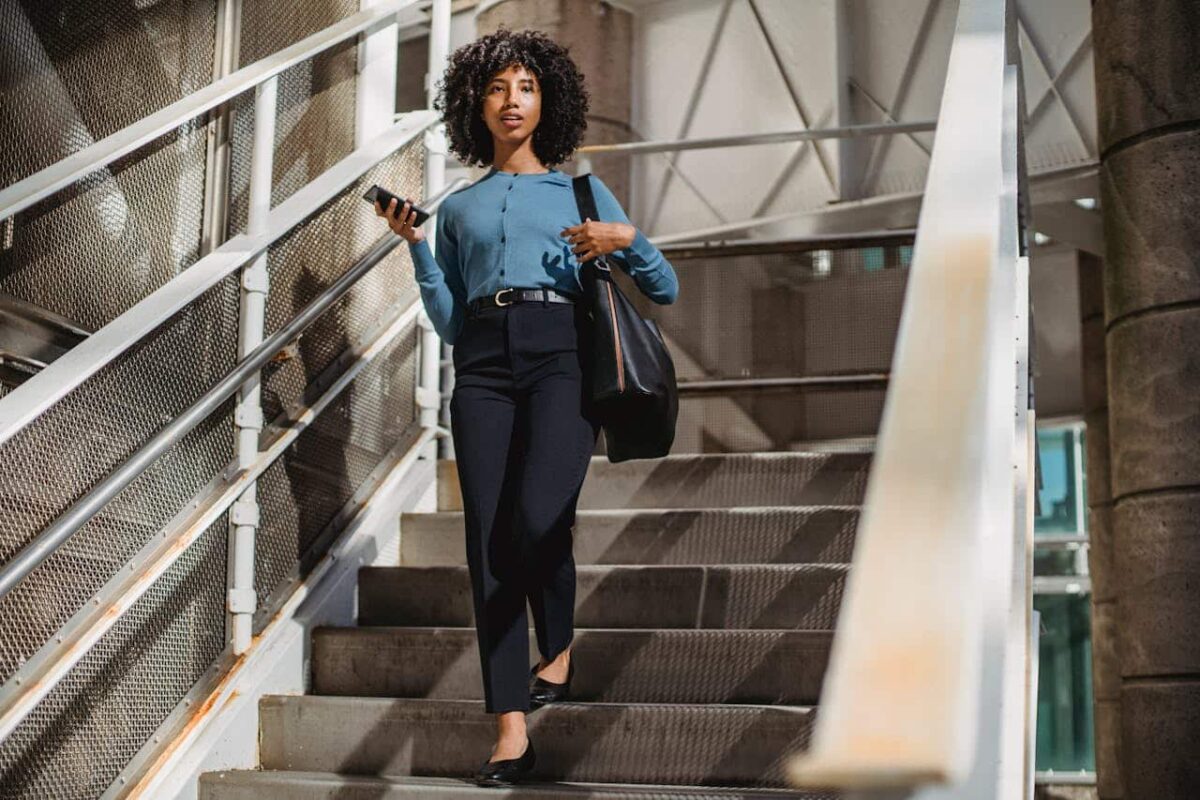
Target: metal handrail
(50, 539)
(35, 678)
(59, 378)
(40, 185)
(775, 137)
(926, 672)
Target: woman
(503, 291)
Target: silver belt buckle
(496, 298)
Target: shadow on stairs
(708, 589)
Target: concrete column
(599, 38)
(1147, 56)
(1106, 664)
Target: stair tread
(764, 456)
(711, 744)
(714, 596)
(708, 480)
(839, 567)
(615, 664)
(753, 534)
(374, 630)
(425, 706)
(418, 786)
(600, 513)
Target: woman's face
(512, 105)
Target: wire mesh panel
(303, 493)
(129, 229)
(315, 254)
(782, 310)
(80, 737)
(75, 72)
(81, 70)
(315, 115)
(91, 432)
(93, 250)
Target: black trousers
(523, 436)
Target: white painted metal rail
(920, 689)
(41, 391)
(377, 139)
(41, 185)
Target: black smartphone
(384, 197)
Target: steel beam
(746, 140)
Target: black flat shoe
(508, 771)
(543, 692)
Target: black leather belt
(506, 297)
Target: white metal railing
(49, 386)
(376, 138)
(41, 185)
(927, 681)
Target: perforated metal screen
(91, 432)
(302, 493)
(314, 122)
(78, 739)
(75, 72)
(782, 310)
(79, 71)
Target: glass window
(1065, 736)
(1065, 739)
(873, 259)
(1060, 504)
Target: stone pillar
(1147, 56)
(599, 38)
(1106, 664)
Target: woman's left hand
(590, 238)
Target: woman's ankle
(555, 671)
(510, 722)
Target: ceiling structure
(725, 67)
(706, 68)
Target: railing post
(429, 396)
(248, 417)
(436, 369)
(219, 146)
(375, 85)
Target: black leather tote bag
(630, 371)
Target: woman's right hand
(401, 222)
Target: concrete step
(755, 535)
(638, 666)
(256, 785)
(716, 480)
(786, 596)
(697, 745)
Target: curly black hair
(472, 66)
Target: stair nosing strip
(733, 707)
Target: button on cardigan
(503, 231)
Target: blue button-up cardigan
(504, 231)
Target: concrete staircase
(708, 591)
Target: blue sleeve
(440, 280)
(652, 273)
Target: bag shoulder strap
(586, 201)
(584, 198)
